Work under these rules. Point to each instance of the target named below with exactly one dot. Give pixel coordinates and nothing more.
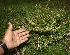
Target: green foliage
(47, 22)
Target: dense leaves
(47, 22)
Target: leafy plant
(47, 22)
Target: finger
(10, 26)
(25, 36)
(23, 33)
(20, 30)
(21, 38)
(24, 40)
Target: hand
(14, 38)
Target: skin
(13, 39)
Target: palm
(15, 38)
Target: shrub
(47, 22)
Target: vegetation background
(47, 21)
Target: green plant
(47, 22)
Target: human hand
(14, 38)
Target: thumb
(10, 26)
